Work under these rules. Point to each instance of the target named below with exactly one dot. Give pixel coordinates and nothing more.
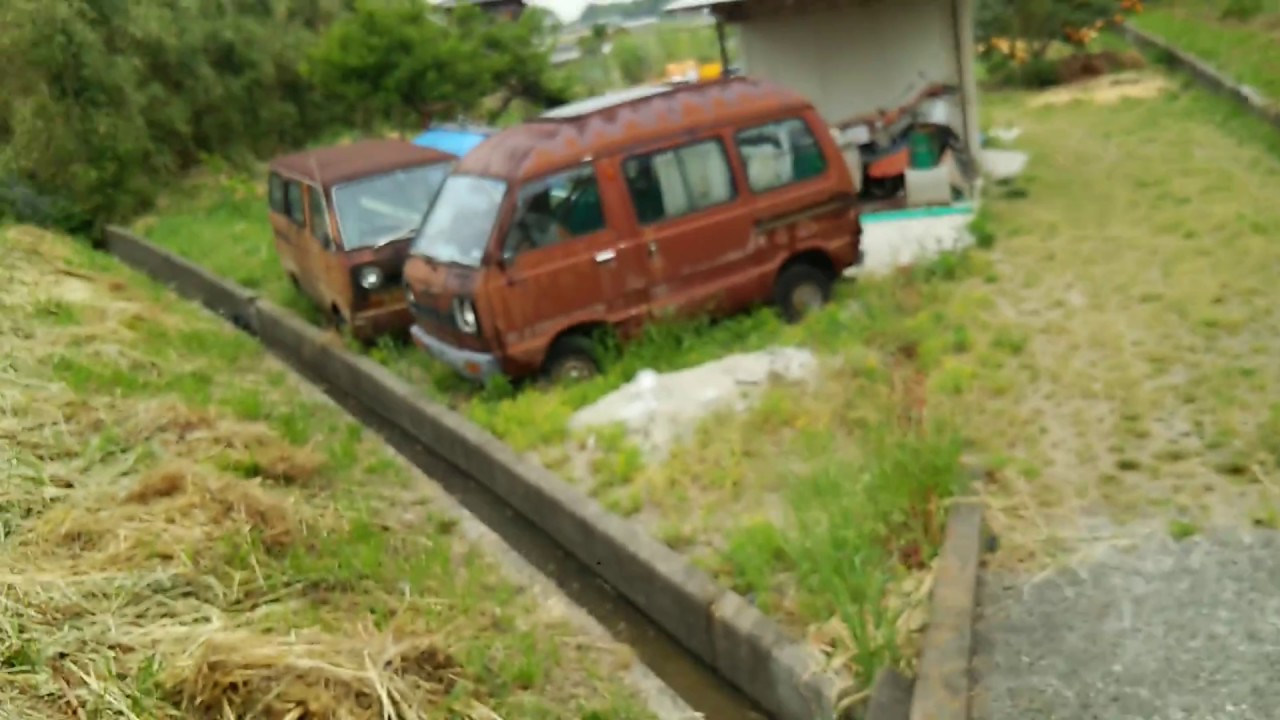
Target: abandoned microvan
(342, 217)
(623, 208)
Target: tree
(398, 60)
(403, 62)
(1027, 29)
(101, 101)
(633, 62)
(518, 58)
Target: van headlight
(370, 277)
(464, 316)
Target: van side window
(275, 194)
(293, 198)
(779, 154)
(554, 209)
(319, 217)
(675, 182)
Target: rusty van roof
(616, 121)
(328, 166)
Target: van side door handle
(605, 256)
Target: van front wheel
(571, 359)
(799, 290)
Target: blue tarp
(453, 141)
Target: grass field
(1239, 37)
(1141, 270)
(187, 532)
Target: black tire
(799, 289)
(337, 320)
(572, 358)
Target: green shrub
(1242, 10)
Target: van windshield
(457, 227)
(380, 209)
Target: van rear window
(675, 182)
(780, 153)
(275, 194)
(293, 203)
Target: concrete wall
(852, 59)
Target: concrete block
(1265, 108)
(223, 297)
(785, 677)
(943, 678)
(890, 696)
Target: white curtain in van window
(675, 198)
(767, 155)
(708, 174)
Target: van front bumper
(390, 320)
(475, 365)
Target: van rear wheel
(799, 290)
(338, 321)
(571, 359)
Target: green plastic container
(922, 151)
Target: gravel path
(1165, 630)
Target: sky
(566, 10)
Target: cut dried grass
(326, 678)
(114, 528)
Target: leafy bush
(633, 62)
(104, 102)
(402, 60)
(1242, 10)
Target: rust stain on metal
(328, 166)
(544, 145)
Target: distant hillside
(621, 11)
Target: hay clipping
(1106, 90)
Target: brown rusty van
(611, 211)
(343, 216)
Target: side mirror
(507, 258)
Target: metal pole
(724, 48)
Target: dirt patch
(1083, 66)
(1106, 90)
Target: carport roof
(691, 5)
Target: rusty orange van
(612, 211)
(343, 216)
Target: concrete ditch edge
(943, 679)
(1254, 101)
(785, 677)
